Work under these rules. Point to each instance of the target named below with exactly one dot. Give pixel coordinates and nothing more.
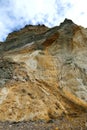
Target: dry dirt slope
(43, 73)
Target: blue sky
(15, 14)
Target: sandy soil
(71, 122)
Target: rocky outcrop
(43, 72)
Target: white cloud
(77, 12)
(15, 14)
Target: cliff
(43, 72)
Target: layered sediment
(43, 73)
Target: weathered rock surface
(43, 72)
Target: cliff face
(43, 72)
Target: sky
(15, 14)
